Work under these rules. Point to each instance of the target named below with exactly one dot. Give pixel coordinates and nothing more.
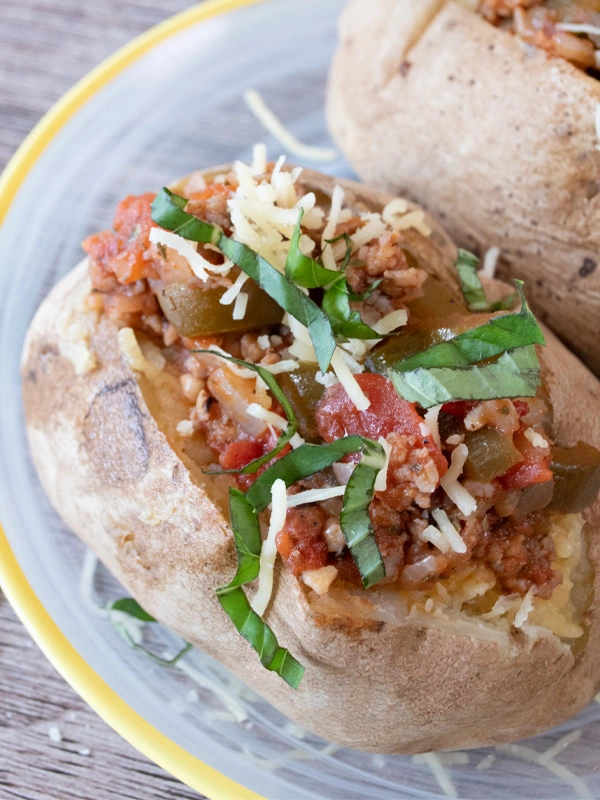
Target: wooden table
(45, 46)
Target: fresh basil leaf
(306, 460)
(280, 395)
(354, 520)
(487, 341)
(466, 266)
(130, 606)
(349, 246)
(515, 374)
(165, 662)
(301, 269)
(344, 321)
(506, 304)
(167, 211)
(358, 298)
(261, 637)
(248, 544)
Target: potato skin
(498, 141)
(368, 685)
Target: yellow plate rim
(38, 622)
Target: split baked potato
(493, 132)
(397, 668)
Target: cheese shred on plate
(268, 553)
(456, 492)
(274, 126)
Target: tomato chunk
(337, 416)
(121, 251)
(535, 467)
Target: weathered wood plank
(45, 46)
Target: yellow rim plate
(63, 656)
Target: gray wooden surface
(45, 46)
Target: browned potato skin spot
(496, 140)
(377, 687)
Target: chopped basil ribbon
(168, 212)
(487, 341)
(345, 321)
(301, 269)
(471, 286)
(354, 520)
(129, 606)
(466, 266)
(280, 395)
(248, 544)
(349, 245)
(515, 374)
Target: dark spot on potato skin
(32, 376)
(114, 436)
(404, 68)
(588, 267)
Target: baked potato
(486, 628)
(493, 132)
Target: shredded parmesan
(454, 539)
(273, 125)
(560, 745)
(525, 608)
(287, 365)
(374, 228)
(431, 418)
(565, 774)
(259, 159)
(490, 262)
(349, 382)
(574, 27)
(240, 306)
(395, 208)
(536, 439)
(319, 580)
(486, 762)
(381, 479)
(391, 321)
(432, 760)
(232, 293)
(465, 502)
(268, 552)
(337, 198)
(230, 703)
(270, 417)
(314, 495)
(185, 248)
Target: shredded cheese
(431, 418)
(391, 321)
(315, 495)
(273, 125)
(270, 417)
(465, 502)
(381, 479)
(432, 760)
(486, 762)
(185, 428)
(490, 262)
(454, 539)
(348, 381)
(374, 228)
(185, 248)
(337, 198)
(286, 365)
(268, 552)
(574, 27)
(259, 159)
(525, 608)
(240, 306)
(232, 293)
(562, 772)
(395, 208)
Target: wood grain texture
(45, 46)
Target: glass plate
(175, 108)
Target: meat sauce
(124, 267)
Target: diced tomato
(301, 543)
(211, 191)
(121, 251)
(238, 454)
(337, 416)
(535, 467)
(459, 408)
(521, 407)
